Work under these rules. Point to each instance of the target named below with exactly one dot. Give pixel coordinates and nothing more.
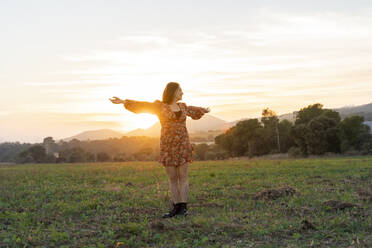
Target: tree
(322, 136)
(201, 150)
(49, 144)
(36, 152)
(77, 154)
(90, 157)
(305, 115)
(271, 121)
(143, 153)
(299, 133)
(120, 157)
(286, 138)
(247, 138)
(225, 141)
(316, 130)
(103, 157)
(354, 134)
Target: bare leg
(184, 182)
(173, 183)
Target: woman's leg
(173, 183)
(184, 181)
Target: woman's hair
(169, 92)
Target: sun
(144, 120)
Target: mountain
(96, 135)
(366, 108)
(362, 110)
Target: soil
(337, 205)
(273, 194)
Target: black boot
(172, 212)
(182, 210)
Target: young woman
(176, 151)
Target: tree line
(50, 151)
(315, 131)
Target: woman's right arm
(141, 106)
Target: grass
(120, 204)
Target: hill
(364, 110)
(100, 134)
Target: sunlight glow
(142, 120)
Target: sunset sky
(62, 60)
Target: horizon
(62, 62)
(125, 132)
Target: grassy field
(235, 203)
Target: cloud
(280, 60)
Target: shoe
(182, 211)
(173, 212)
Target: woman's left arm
(196, 112)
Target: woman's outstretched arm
(196, 112)
(137, 106)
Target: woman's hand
(207, 110)
(116, 100)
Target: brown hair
(169, 92)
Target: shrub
(295, 152)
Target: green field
(233, 203)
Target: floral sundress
(175, 146)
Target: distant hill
(362, 110)
(95, 135)
(366, 108)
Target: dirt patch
(158, 225)
(337, 205)
(366, 196)
(129, 184)
(307, 225)
(273, 194)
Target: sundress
(175, 146)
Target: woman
(175, 148)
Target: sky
(61, 61)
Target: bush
(294, 152)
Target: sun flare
(144, 120)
